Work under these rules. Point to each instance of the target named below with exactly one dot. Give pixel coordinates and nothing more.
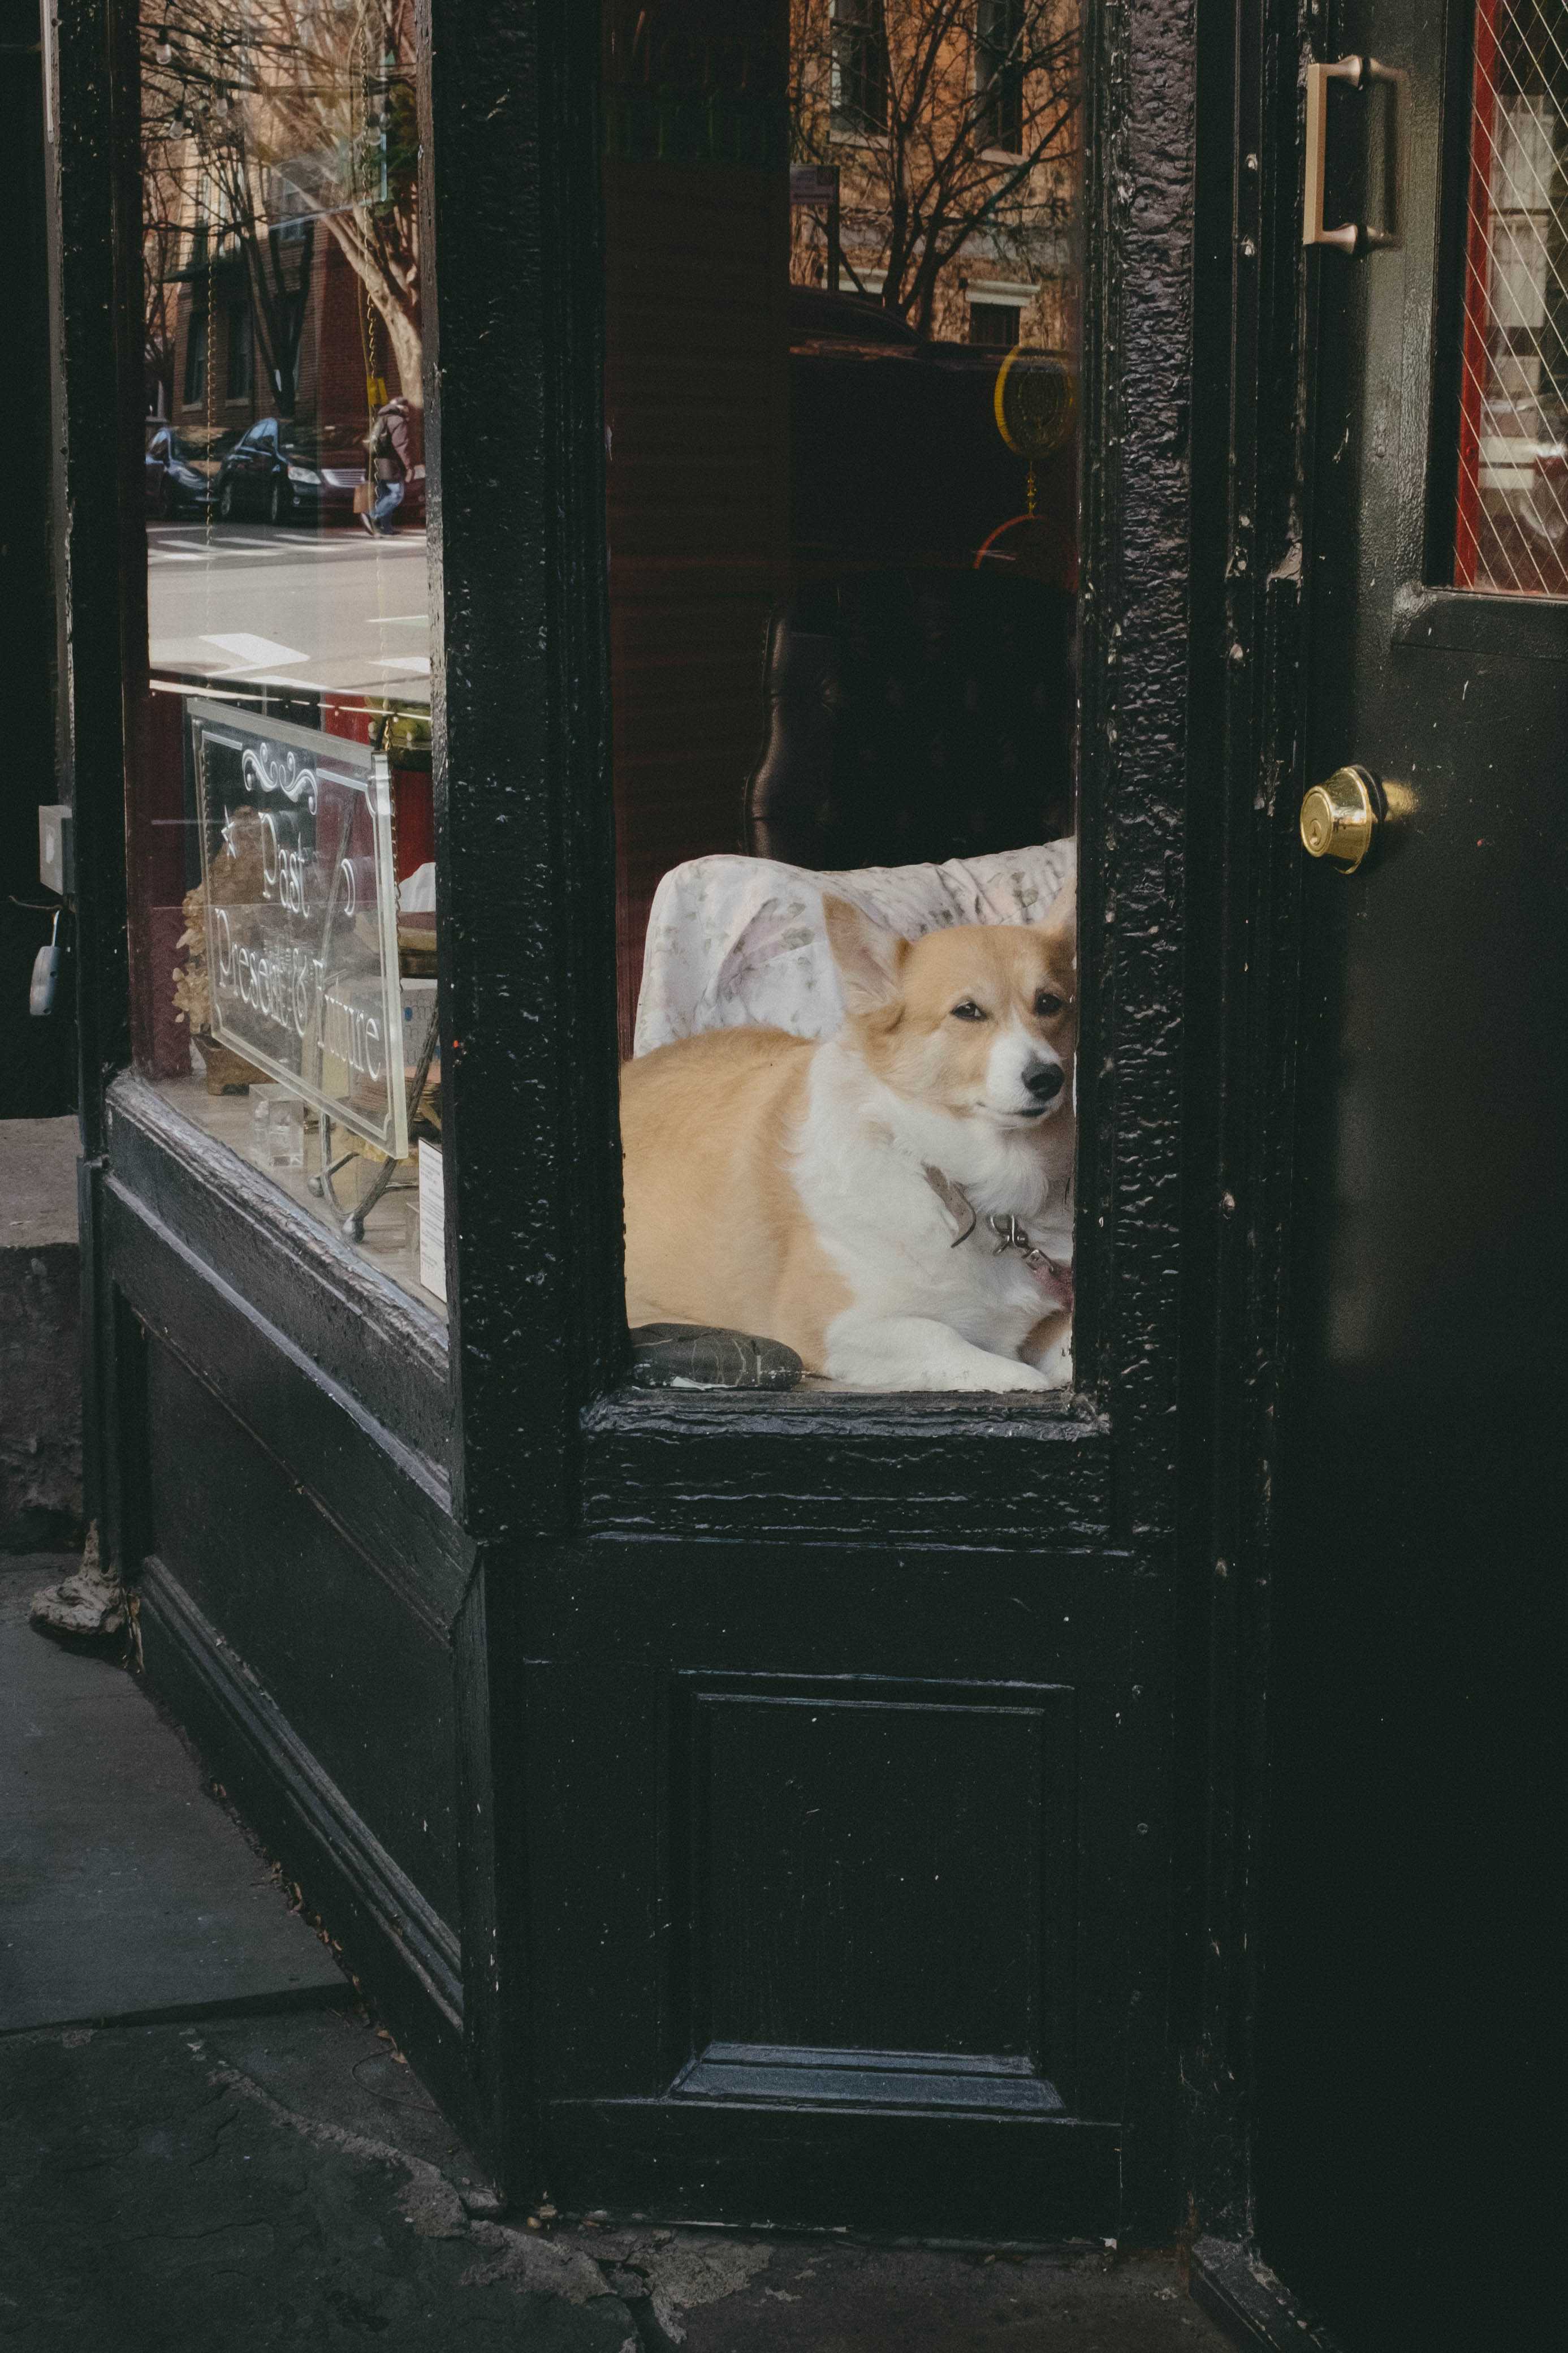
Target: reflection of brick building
(220, 374)
(993, 141)
(758, 439)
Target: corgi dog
(894, 1202)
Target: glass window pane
(1512, 532)
(843, 487)
(283, 880)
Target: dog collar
(1050, 1272)
(954, 1200)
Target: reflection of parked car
(180, 468)
(281, 470)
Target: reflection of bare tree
(260, 122)
(955, 125)
(164, 232)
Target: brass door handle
(1360, 73)
(1318, 80)
(1340, 817)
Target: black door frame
(1242, 979)
(1182, 1183)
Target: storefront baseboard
(407, 1957)
(1253, 2307)
(986, 2179)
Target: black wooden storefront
(510, 1664)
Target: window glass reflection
(279, 925)
(841, 406)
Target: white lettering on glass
(304, 977)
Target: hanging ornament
(1036, 407)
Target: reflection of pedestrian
(391, 447)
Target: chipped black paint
(94, 124)
(811, 1470)
(1240, 984)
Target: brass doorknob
(1340, 817)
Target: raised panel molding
(319, 1624)
(883, 2079)
(235, 1701)
(873, 1892)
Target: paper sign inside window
(301, 914)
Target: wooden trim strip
(394, 1905)
(386, 1503)
(1253, 2308)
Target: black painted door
(1409, 1706)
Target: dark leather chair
(912, 717)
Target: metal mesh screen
(1511, 533)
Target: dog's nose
(1042, 1080)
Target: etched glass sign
(301, 914)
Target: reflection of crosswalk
(332, 613)
(173, 545)
(250, 652)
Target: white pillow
(734, 941)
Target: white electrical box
(57, 848)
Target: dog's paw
(1011, 1376)
(1055, 1365)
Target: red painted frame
(1478, 299)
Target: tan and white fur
(778, 1186)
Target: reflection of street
(337, 611)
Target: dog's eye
(1045, 1004)
(969, 1011)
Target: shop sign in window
(301, 915)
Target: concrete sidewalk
(40, 1336)
(205, 2142)
(125, 1892)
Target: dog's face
(981, 1020)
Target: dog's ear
(1059, 929)
(870, 957)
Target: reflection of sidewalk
(260, 2169)
(334, 613)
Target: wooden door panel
(807, 1931)
(823, 1889)
(871, 1872)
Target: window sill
(391, 1246)
(1004, 1471)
